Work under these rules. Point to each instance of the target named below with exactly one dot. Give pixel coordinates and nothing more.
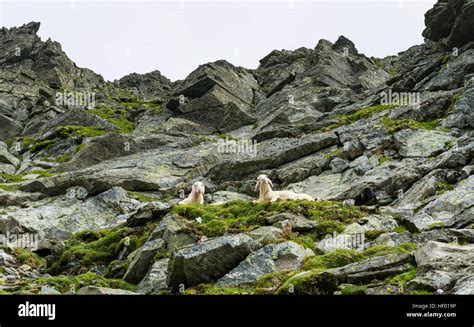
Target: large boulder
(208, 261)
(217, 95)
(287, 256)
(142, 261)
(454, 209)
(440, 265)
(155, 280)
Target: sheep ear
(270, 182)
(203, 189)
(256, 185)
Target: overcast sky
(115, 38)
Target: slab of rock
(142, 261)
(421, 143)
(208, 261)
(155, 280)
(265, 234)
(173, 232)
(94, 290)
(440, 265)
(287, 256)
(298, 223)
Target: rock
(142, 261)
(94, 290)
(77, 192)
(173, 232)
(338, 165)
(147, 212)
(62, 216)
(265, 234)
(287, 256)
(298, 223)
(6, 157)
(6, 259)
(464, 286)
(371, 223)
(155, 280)
(226, 196)
(454, 209)
(208, 261)
(421, 143)
(376, 268)
(440, 265)
(7, 169)
(48, 290)
(462, 115)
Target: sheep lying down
(267, 194)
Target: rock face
(441, 265)
(208, 261)
(286, 256)
(95, 170)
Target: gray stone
(287, 256)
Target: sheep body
(267, 194)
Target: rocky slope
(91, 171)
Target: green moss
(335, 153)
(354, 290)
(421, 292)
(438, 225)
(402, 279)
(41, 145)
(274, 279)
(378, 250)
(79, 131)
(26, 256)
(63, 158)
(394, 125)
(363, 113)
(333, 259)
(91, 248)
(118, 117)
(455, 98)
(314, 282)
(12, 178)
(73, 283)
(142, 197)
(9, 187)
(400, 229)
(373, 234)
(442, 187)
(303, 240)
(209, 289)
(328, 227)
(383, 159)
(242, 216)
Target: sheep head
(198, 188)
(262, 180)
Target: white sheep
(196, 196)
(267, 194)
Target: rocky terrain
(91, 171)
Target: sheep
(196, 196)
(267, 194)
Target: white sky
(115, 38)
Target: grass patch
(402, 279)
(73, 283)
(242, 216)
(394, 125)
(116, 116)
(79, 131)
(26, 256)
(363, 113)
(142, 197)
(209, 289)
(378, 250)
(354, 290)
(90, 247)
(9, 187)
(442, 187)
(333, 259)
